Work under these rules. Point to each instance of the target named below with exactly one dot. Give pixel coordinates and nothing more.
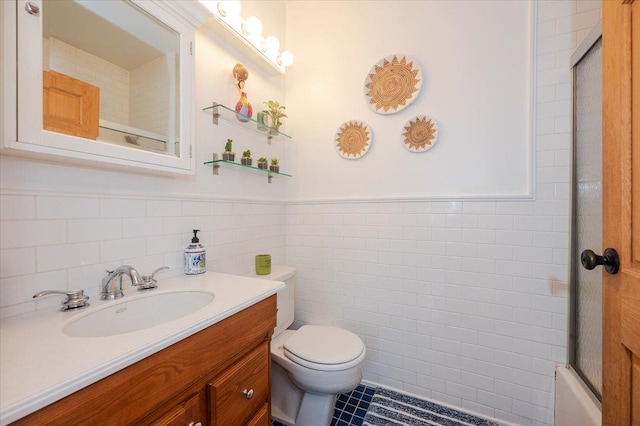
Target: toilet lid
(318, 344)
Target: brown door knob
(610, 260)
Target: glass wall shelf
(227, 114)
(216, 163)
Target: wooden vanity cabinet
(200, 379)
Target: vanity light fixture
(229, 8)
(248, 32)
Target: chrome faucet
(111, 290)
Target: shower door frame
(585, 47)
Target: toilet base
(316, 409)
(292, 406)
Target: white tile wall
(464, 302)
(64, 241)
(150, 98)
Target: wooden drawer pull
(248, 393)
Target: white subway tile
(86, 230)
(446, 374)
(179, 225)
(31, 233)
(17, 207)
(461, 391)
(448, 235)
(533, 223)
(50, 258)
(494, 400)
(478, 381)
(122, 207)
(196, 208)
(49, 207)
(515, 269)
(163, 208)
(496, 221)
(447, 207)
(462, 221)
(122, 249)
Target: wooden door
(621, 211)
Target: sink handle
(75, 299)
(149, 282)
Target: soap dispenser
(195, 256)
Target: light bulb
(229, 8)
(285, 59)
(271, 45)
(252, 26)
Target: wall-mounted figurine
(244, 111)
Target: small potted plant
(275, 112)
(274, 167)
(228, 154)
(246, 158)
(262, 163)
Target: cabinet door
(238, 393)
(189, 412)
(70, 106)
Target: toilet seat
(324, 348)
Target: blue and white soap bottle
(195, 256)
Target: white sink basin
(143, 312)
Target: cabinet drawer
(261, 418)
(239, 392)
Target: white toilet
(309, 366)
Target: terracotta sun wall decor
(392, 84)
(420, 134)
(353, 139)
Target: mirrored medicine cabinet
(107, 81)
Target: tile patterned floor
(370, 406)
(350, 407)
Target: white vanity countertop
(39, 364)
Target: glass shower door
(586, 286)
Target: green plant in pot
(275, 166)
(275, 112)
(228, 154)
(262, 163)
(246, 158)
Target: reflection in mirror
(111, 73)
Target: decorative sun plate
(392, 84)
(353, 139)
(420, 133)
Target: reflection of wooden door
(70, 106)
(621, 211)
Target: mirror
(111, 73)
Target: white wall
(475, 63)
(462, 301)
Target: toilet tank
(285, 296)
